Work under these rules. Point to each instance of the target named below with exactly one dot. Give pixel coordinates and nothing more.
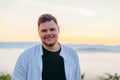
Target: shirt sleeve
(77, 75)
(20, 69)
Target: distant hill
(78, 47)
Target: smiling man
(49, 60)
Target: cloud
(93, 34)
(61, 7)
(25, 2)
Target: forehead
(48, 24)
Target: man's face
(48, 32)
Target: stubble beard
(49, 44)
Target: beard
(49, 44)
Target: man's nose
(49, 32)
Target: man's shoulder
(69, 53)
(31, 50)
(33, 47)
(67, 47)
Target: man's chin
(49, 44)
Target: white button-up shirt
(29, 64)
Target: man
(49, 60)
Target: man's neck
(53, 48)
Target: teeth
(49, 37)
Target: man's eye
(53, 29)
(44, 31)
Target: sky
(80, 21)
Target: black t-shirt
(53, 66)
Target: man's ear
(58, 29)
(38, 29)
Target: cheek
(40, 35)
